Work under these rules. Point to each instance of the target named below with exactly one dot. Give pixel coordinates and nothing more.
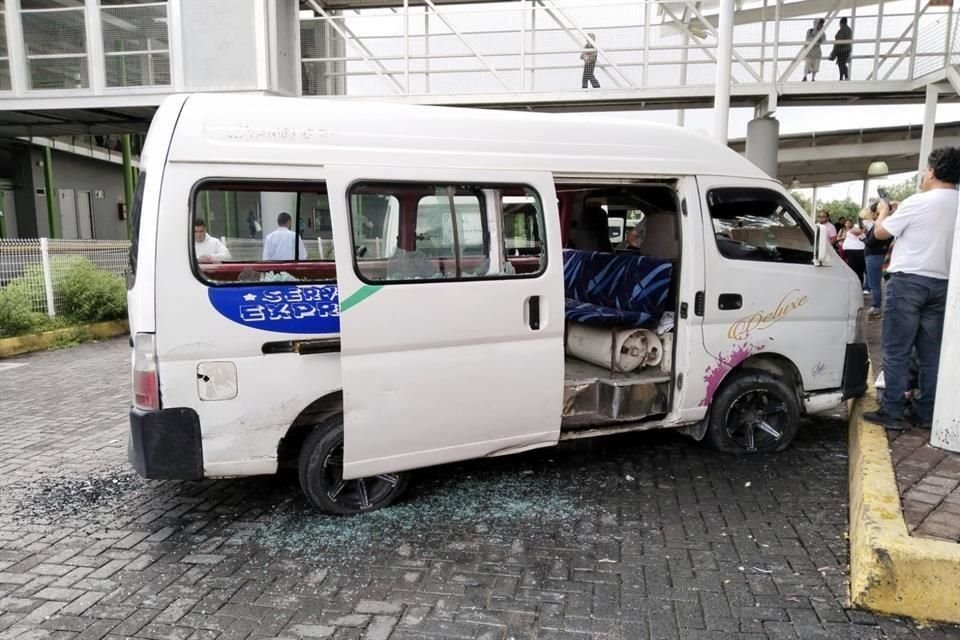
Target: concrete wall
(79, 174)
(8, 209)
(219, 44)
(8, 205)
(23, 193)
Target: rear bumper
(856, 366)
(166, 444)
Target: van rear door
(451, 340)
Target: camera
(883, 196)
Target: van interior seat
(591, 232)
(615, 290)
(662, 235)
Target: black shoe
(886, 421)
(918, 422)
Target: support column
(272, 204)
(127, 177)
(865, 197)
(929, 124)
(946, 411)
(684, 59)
(52, 217)
(763, 138)
(721, 99)
(813, 203)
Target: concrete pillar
(865, 197)
(946, 412)
(272, 204)
(763, 138)
(929, 124)
(721, 96)
(813, 203)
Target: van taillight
(146, 382)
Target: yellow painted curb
(890, 570)
(40, 341)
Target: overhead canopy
(77, 119)
(843, 156)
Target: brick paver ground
(928, 478)
(639, 536)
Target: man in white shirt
(281, 244)
(914, 304)
(207, 248)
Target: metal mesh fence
(136, 44)
(22, 262)
(934, 40)
(56, 45)
(5, 84)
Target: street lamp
(876, 169)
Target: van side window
(255, 232)
(135, 215)
(758, 224)
(415, 231)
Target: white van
(455, 293)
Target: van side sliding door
(451, 302)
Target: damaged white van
(406, 286)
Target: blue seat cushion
(615, 290)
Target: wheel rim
(360, 494)
(756, 420)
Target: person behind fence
(281, 244)
(589, 57)
(842, 48)
(207, 248)
(916, 296)
(253, 225)
(811, 65)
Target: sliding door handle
(533, 312)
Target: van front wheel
(754, 412)
(321, 476)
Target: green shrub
(86, 294)
(17, 314)
(60, 268)
(89, 294)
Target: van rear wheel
(754, 412)
(321, 476)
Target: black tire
(321, 476)
(754, 412)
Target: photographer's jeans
(875, 279)
(912, 317)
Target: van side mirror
(821, 247)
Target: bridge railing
(535, 45)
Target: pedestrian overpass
(76, 68)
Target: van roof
(229, 128)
